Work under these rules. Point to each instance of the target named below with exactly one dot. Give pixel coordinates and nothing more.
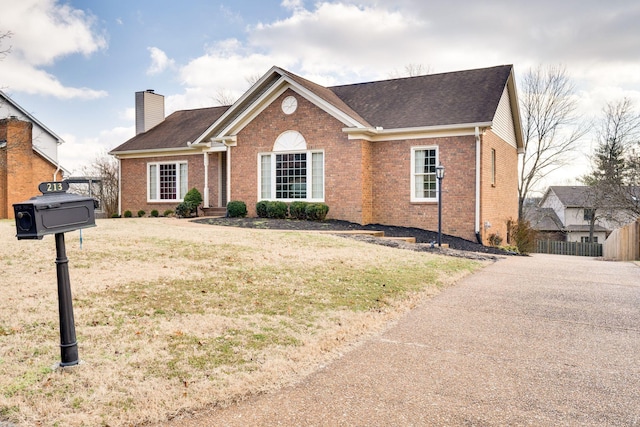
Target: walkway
(531, 341)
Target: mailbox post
(56, 212)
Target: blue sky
(76, 64)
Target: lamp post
(439, 176)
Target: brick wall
(134, 181)
(343, 158)
(499, 201)
(392, 186)
(21, 168)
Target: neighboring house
(574, 207)
(546, 222)
(367, 150)
(28, 155)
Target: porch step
(214, 211)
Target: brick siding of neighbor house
(134, 181)
(499, 201)
(392, 185)
(22, 169)
(343, 159)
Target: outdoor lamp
(439, 176)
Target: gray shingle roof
(176, 131)
(543, 219)
(470, 96)
(461, 97)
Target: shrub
(316, 211)
(297, 210)
(168, 212)
(115, 215)
(141, 213)
(522, 235)
(184, 210)
(277, 210)
(261, 208)
(236, 209)
(155, 213)
(193, 198)
(495, 239)
(127, 214)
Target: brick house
(28, 155)
(367, 150)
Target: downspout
(55, 174)
(228, 173)
(120, 186)
(477, 222)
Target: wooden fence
(623, 244)
(568, 248)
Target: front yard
(174, 316)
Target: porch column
(206, 180)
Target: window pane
(425, 182)
(317, 167)
(184, 181)
(153, 182)
(291, 176)
(265, 177)
(168, 181)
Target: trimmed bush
(193, 199)
(261, 209)
(141, 213)
(277, 210)
(297, 210)
(155, 213)
(316, 211)
(115, 215)
(168, 212)
(128, 214)
(236, 209)
(184, 210)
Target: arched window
(291, 172)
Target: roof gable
(29, 117)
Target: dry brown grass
(173, 316)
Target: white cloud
(75, 154)
(47, 32)
(159, 61)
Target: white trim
(31, 118)
(205, 189)
(177, 163)
(413, 197)
(380, 134)
(164, 152)
(310, 172)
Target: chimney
(149, 110)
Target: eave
(380, 134)
(162, 152)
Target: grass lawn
(174, 316)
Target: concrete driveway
(544, 340)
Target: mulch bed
(425, 239)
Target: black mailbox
(56, 211)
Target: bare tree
(615, 165)
(105, 168)
(411, 70)
(4, 35)
(550, 127)
(224, 97)
(252, 78)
